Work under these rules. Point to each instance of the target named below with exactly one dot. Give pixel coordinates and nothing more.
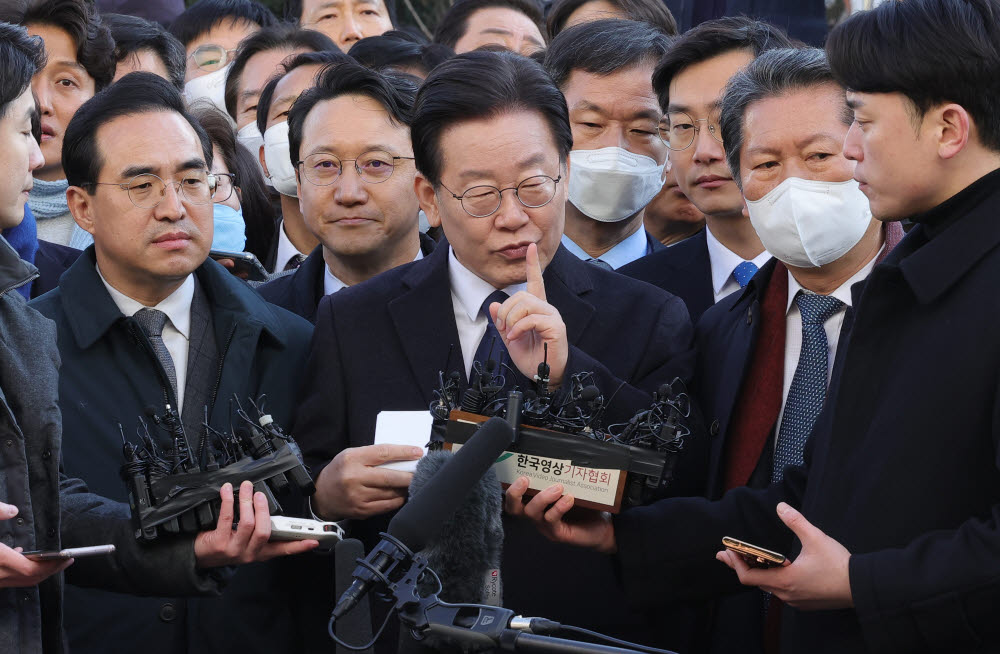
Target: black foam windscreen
(420, 520)
(466, 552)
(355, 627)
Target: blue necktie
(808, 390)
(744, 272)
(491, 339)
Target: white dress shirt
(625, 252)
(177, 330)
(285, 250)
(832, 326)
(723, 261)
(332, 284)
(468, 292)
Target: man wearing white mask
(210, 31)
(617, 163)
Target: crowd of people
(805, 237)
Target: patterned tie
(744, 272)
(491, 339)
(808, 390)
(600, 263)
(152, 322)
(294, 262)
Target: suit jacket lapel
(567, 281)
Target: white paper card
(403, 428)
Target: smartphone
(247, 265)
(71, 553)
(756, 557)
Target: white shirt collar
(723, 260)
(624, 252)
(285, 250)
(843, 292)
(470, 289)
(331, 284)
(177, 305)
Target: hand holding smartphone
(71, 553)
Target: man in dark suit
(890, 524)
(143, 320)
(491, 139)
(604, 69)
(355, 185)
(689, 81)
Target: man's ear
(952, 128)
(428, 199)
(263, 163)
(81, 206)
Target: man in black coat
(216, 340)
(890, 524)
(380, 345)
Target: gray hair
(771, 74)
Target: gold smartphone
(756, 557)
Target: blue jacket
(108, 378)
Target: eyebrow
(70, 63)
(533, 160)
(368, 147)
(190, 164)
(800, 145)
(854, 103)
(586, 105)
(249, 94)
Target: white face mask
(808, 223)
(250, 137)
(611, 184)
(211, 87)
(278, 161)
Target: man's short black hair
(930, 51)
(711, 39)
(292, 11)
(78, 18)
(325, 58)
(603, 47)
(654, 12)
(395, 93)
(132, 35)
(479, 85)
(399, 50)
(136, 93)
(773, 74)
(277, 37)
(455, 21)
(21, 56)
(203, 15)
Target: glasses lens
(375, 166)
(481, 201)
(321, 169)
(198, 188)
(536, 191)
(145, 191)
(680, 130)
(209, 57)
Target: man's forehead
(161, 137)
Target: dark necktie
(152, 322)
(808, 390)
(744, 272)
(600, 263)
(295, 262)
(491, 346)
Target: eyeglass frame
(226, 52)
(356, 168)
(697, 130)
(209, 178)
(460, 198)
(232, 186)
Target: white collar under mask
(809, 223)
(210, 87)
(611, 184)
(278, 159)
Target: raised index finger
(536, 286)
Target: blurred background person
(564, 14)
(345, 21)
(515, 25)
(144, 45)
(400, 51)
(671, 217)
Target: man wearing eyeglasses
(491, 140)
(349, 139)
(689, 81)
(145, 320)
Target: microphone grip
(350, 598)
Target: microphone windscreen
(590, 393)
(421, 518)
(467, 550)
(355, 627)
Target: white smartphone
(71, 553)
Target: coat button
(47, 454)
(51, 532)
(168, 613)
(714, 429)
(20, 521)
(10, 443)
(750, 316)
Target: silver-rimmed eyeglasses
(374, 167)
(147, 190)
(482, 201)
(681, 129)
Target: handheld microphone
(421, 519)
